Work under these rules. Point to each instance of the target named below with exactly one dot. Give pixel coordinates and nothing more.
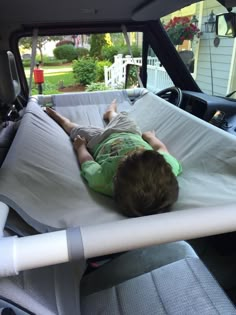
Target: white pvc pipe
(4, 210)
(134, 233)
(41, 250)
(51, 248)
(30, 252)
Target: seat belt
(33, 55)
(124, 30)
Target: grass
(54, 78)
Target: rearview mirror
(226, 24)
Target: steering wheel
(172, 95)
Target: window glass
(82, 62)
(209, 58)
(157, 77)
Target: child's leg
(64, 122)
(111, 111)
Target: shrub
(97, 42)
(96, 86)
(100, 69)
(132, 76)
(64, 42)
(108, 52)
(82, 52)
(26, 63)
(136, 51)
(67, 52)
(84, 70)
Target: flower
(180, 29)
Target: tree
(97, 42)
(26, 42)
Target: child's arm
(155, 143)
(82, 153)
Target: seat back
(9, 79)
(9, 90)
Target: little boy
(135, 169)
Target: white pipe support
(135, 233)
(34, 251)
(4, 210)
(8, 256)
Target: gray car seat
(165, 279)
(9, 90)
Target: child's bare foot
(111, 111)
(56, 116)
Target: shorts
(95, 135)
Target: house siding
(211, 59)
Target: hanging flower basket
(180, 29)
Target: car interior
(65, 249)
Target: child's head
(145, 184)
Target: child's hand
(78, 142)
(148, 135)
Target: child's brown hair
(145, 184)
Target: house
(213, 71)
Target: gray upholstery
(133, 264)
(165, 279)
(9, 80)
(182, 287)
(46, 291)
(7, 133)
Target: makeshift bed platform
(40, 178)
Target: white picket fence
(115, 75)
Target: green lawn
(54, 77)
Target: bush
(84, 70)
(108, 52)
(67, 52)
(82, 52)
(97, 42)
(132, 76)
(100, 69)
(96, 86)
(64, 42)
(26, 63)
(136, 51)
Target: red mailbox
(38, 76)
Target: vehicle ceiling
(19, 14)
(85, 11)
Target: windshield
(81, 62)
(209, 58)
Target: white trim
(196, 52)
(232, 81)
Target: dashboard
(219, 111)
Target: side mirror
(131, 79)
(226, 25)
